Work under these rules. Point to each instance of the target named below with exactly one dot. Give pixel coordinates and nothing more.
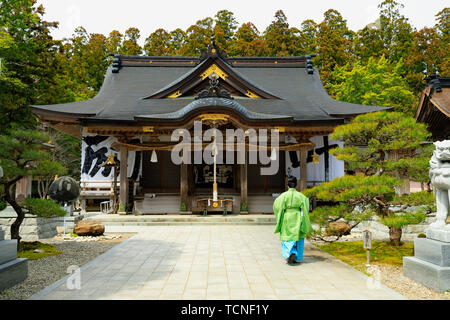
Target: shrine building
(144, 100)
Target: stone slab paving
(214, 262)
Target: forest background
(383, 64)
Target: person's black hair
(292, 182)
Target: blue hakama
(293, 247)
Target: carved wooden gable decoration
(213, 64)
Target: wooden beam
(123, 180)
(184, 186)
(303, 172)
(243, 177)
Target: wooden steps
(161, 204)
(260, 203)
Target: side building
(434, 107)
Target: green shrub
(403, 219)
(43, 208)
(416, 199)
(3, 205)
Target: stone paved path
(214, 262)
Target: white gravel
(392, 277)
(46, 271)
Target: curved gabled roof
(224, 103)
(292, 91)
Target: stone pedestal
(431, 262)
(12, 269)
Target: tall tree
(248, 42)
(177, 39)
(130, 45)
(443, 29)
(28, 63)
(224, 28)
(378, 83)
(114, 41)
(334, 45)
(159, 44)
(308, 37)
(198, 37)
(280, 39)
(368, 42)
(426, 56)
(84, 59)
(397, 33)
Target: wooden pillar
(243, 178)
(404, 187)
(23, 188)
(123, 180)
(184, 188)
(301, 185)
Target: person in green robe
(291, 209)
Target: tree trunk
(15, 227)
(395, 234)
(46, 187)
(39, 185)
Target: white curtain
(98, 153)
(316, 172)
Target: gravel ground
(392, 276)
(46, 271)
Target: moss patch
(353, 253)
(27, 250)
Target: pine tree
(372, 145)
(22, 155)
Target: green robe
(290, 223)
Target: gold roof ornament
(148, 129)
(214, 69)
(175, 95)
(252, 95)
(214, 117)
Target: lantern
(315, 159)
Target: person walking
(291, 210)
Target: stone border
(61, 281)
(34, 228)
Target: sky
(103, 16)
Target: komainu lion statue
(440, 178)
